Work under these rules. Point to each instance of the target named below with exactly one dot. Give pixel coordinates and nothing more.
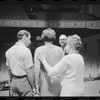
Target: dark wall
(8, 34)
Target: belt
(14, 76)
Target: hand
(9, 82)
(37, 90)
(41, 57)
(55, 79)
(34, 90)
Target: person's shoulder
(58, 47)
(9, 50)
(23, 49)
(27, 49)
(72, 56)
(81, 56)
(67, 57)
(40, 48)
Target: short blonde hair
(48, 35)
(21, 33)
(75, 42)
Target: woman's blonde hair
(75, 42)
(48, 35)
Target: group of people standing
(53, 71)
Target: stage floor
(92, 88)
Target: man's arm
(30, 76)
(8, 67)
(28, 62)
(37, 71)
(10, 74)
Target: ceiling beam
(50, 23)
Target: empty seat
(12, 11)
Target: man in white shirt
(20, 65)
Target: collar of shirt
(19, 43)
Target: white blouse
(72, 67)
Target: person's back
(73, 76)
(75, 67)
(50, 86)
(20, 64)
(16, 55)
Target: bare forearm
(37, 76)
(30, 76)
(37, 71)
(10, 75)
(31, 79)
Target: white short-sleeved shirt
(19, 58)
